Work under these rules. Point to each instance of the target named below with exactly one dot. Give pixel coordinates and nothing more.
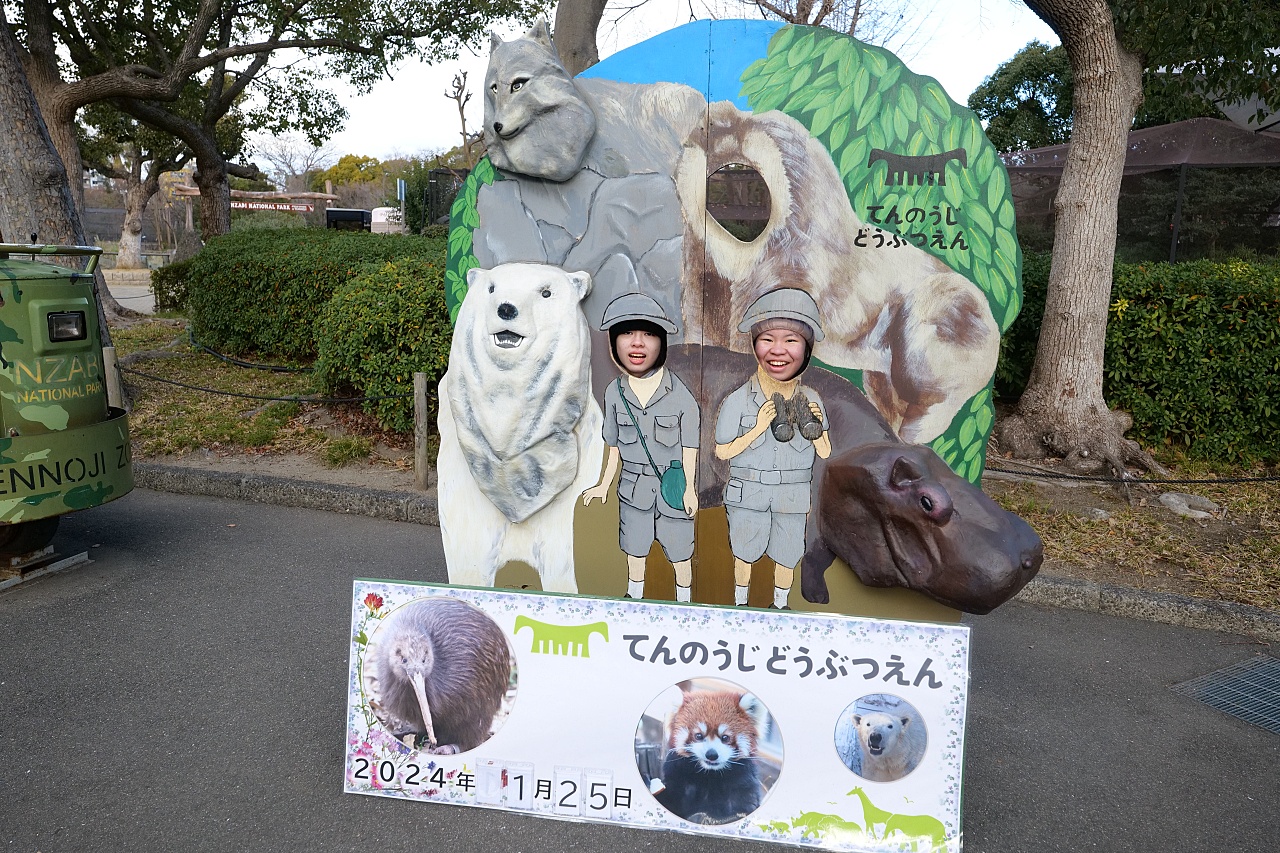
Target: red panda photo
(711, 769)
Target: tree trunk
(41, 63)
(62, 131)
(575, 35)
(35, 197)
(136, 196)
(215, 196)
(1062, 411)
(211, 166)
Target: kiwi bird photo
(439, 674)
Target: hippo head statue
(900, 517)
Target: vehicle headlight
(67, 326)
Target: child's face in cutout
(780, 353)
(638, 351)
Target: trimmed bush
(382, 327)
(261, 290)
(170, 285)
(248, 220)
(1193, 353)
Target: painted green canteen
(62, 447)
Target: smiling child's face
(780, 353)
(638, 351)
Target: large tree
(1224, 47)
(143, 54)
(208, 122)
(1027, 102)
(122, 148)
(292, 160)
(35, 196)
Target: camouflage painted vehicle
(62, 447)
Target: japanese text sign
(831, 731)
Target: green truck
(62, 447)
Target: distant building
(387, 220)
(92, 179)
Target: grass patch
(346, 449)
(168, 418)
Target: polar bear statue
(520, 432)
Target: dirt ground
(383, 474)
(1129, 538)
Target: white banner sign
(830, 731)
(295, 207)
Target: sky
(959, 43)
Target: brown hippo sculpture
(900, 517)
(894, 512)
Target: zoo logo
(857, 99)
(566, 640)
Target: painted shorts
(644, 516)
(767, 519)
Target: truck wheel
(27, 536)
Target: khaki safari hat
(636, 306)
(787, 302)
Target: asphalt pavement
(134, 295)
(186, 691)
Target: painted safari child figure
(651, 421)
(769, 430)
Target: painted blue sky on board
(709, 56)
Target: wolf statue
(610, 178)
(593, 163)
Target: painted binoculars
(792, 415)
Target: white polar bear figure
(891, 745)
(520, 432)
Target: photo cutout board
(727, 307)
(802, 729)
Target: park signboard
(293, 207)
(818, 730)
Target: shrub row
(1193, 353)
(261, 290)
(369, 308)
(1193, 349)
(379, 329)
(170, 285)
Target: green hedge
(170, 285)
(261, 290)
(1193, 353)
(382, 327)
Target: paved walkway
(186, 690)
(420, 507)
(136, 296)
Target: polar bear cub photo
(881, 737)
(520, 433)
(886, 747)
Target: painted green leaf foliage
(857, 99)
(464, 218)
